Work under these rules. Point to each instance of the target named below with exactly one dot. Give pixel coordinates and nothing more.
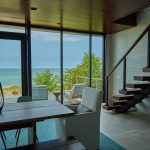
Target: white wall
(118, 44)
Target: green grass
(12, 90)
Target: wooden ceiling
(97, 16)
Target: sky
(45, 48)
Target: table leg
(56, 95)
(32, 134)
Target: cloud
(71, 39)
(50, 36)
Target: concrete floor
(131, 130)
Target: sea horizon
(12, 76)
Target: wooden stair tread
(116, 102)
(142, 78)
(146, 69)
(130, 91)
(123, 97)
(137, 85)
(111, 107)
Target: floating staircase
(133, 94)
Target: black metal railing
(123, 59)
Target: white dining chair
(75, 92)
(85, 124)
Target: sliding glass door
(12, 70)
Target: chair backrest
(91, 98)
(77, 89)
(24, 99)
(40, 92)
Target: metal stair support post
(124, 74)
(106, 100)
(148, 50)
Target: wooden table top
(14, 113)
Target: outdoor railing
(85, 79)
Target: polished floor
(130, 130)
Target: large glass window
(76, 66)
(45, 47)
(45, 65)
(10, 69)
(97, 47)
(45, 52)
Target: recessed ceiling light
(33, 8)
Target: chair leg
(37, 139)
(19, 130)
(17, 133)
(4, 135)
(3, 139)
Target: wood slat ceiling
(83, 15)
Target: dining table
(27, 114)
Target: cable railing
(124, 60)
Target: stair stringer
(145, 92)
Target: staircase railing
(123, 59)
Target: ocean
(12, 76)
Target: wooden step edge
(142, 78)
(108, 107)
(123, 97)
(130, 92)
(117, 102)
(137, 85)
(146, 69)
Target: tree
(82, 70)
(47, 78)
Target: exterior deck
(51, 96)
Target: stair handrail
(129, 50)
